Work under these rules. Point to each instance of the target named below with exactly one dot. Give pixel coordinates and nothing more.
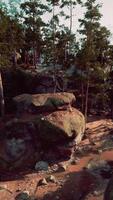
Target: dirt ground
(76, 182)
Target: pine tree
(95, 42)
(33, 23)
(14, 8)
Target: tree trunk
(82, 87)
(86, 99)
(34, 55)
(71, 23)
(54, 59)
(82, 90)
(71, 16)
(2, 104)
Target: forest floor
(81, 179)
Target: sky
(106, 20)
(106, 10)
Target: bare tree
(2, 104)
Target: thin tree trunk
(82, 90)
(86, 99)
(34, 43)
(54, 59)
(2, 104)
(71, 16)
(82, 87)
(34, 55)
(71, 23)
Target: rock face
(60, 126)
(43, 102)
(45, 136)
(16, 148)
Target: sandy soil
(76, 183)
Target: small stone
(57, 197)
(98, 165)
(22, 196)
(25, 191)
(61, 183)
(62, 168)
(51, 178)
(54, 167)
(41, 166)
(42, 119)
(73, 162)
(42, 182)
(97, 193)
(99, 151)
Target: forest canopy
(27, 39)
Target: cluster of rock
(50, 131)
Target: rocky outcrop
(16, 145)
(59, 126)
(43, 135)
(43, 102)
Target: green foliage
(10, 37)
(94, 53)
(22, 27)
(14, 7)
(32, 23)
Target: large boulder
(43, 102)
(50, 136)
(17, 146)
(60, 126)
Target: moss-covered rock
(17, 148)
(43, 102)
(26, 141)
(61, 125)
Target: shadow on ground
(76, 187)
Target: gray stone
(23, 196)
(57, 197)
(96, 165)
(41, 166)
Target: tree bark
(71, 23)
(87, 94)
(54, 59)
(71, 16)
(2, 104)
(82, 87)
